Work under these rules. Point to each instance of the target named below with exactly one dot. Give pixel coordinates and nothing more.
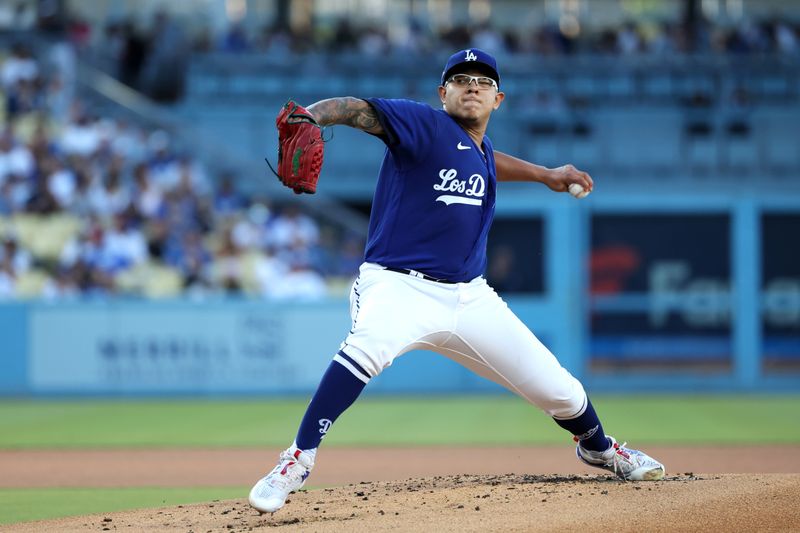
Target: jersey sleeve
(410, 127)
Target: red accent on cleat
(283, 472)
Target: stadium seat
(150, 279)
(45, 236)
(31, 283)
(249, 280)
(650, 136)
(26, 227)
(162, 282)
(779, 130)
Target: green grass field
(22, 505)
(376, 421)
(373, 421)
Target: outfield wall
(229, 347)
(143, 348)
(182, 348)
(633, 292)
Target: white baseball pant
(394, 313)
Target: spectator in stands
(162, 162)
(192, 259)
(81, 205)
(79, 32)
(163, 73)
(411, 39)
(373, 42)
(15, 158)
(349, 258)
(124, 245)
(235, 39)
(549, 40)
(84, 251)
(56, 97)
(25, 96)
(300, 283)
(249, 229)
(629, 40)
(19, 66)
(17, 16)
(63, 286)
(7, 281)
(41, 200)
(133, 54)
(6, 201)
(344, 36)
(227, 199)
(660, 41)
(276, 41)
(128, 142)
(787, 38)
(18, 192)
(290, 227)
(297, 252)
(456, 37)
(187, 211)
(324, 257)
(228, 266)
(61, 182)
(270, 274)
(488, 38)
(17, 259)
(110, 197)
(40, 144)
(148, 197)
(82, 135)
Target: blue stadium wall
(634, 292)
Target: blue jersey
(435, 197)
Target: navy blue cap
(471, 58)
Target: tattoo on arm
(347, 111)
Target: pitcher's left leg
(497, 345)
(492, 341)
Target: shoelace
(292, 474)
(618, 452)
(616, 446)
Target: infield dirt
(440, 499)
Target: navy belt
(417, 274)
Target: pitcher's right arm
(347, 111)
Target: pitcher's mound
(685, 502)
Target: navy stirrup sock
(587, 429)
(337, 391)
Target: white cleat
(625, 463)
(271, 491)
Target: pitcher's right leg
(340, 386)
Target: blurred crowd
(92, 205)
(565, 37)
(154, 58)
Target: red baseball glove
(300, 148)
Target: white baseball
(577, 191)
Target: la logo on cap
(470, 56)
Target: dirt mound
(190, 467)
(687, 502)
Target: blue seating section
(649, 118)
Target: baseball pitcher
(421, 285)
